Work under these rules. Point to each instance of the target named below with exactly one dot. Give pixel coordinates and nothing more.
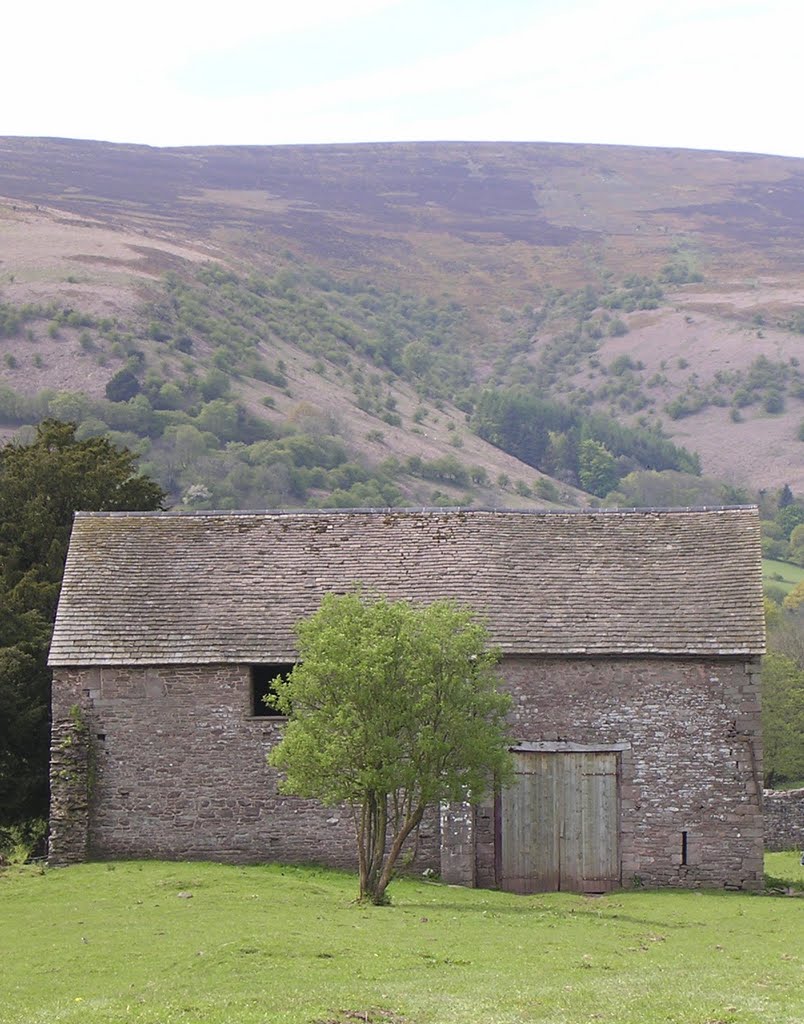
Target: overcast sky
(706, 74)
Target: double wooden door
(559, 823)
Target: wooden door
(558, 825)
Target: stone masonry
(691, 763)
(180, 773)
(784, 819)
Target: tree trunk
(378, 895)
(375, 868)
(371, 842)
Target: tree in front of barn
(391, 709)
(41, 485)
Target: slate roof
(160, 588)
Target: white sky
(706, 74)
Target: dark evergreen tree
(42, 484)
(785, 497)
(549, 436)
(122, 386)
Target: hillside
(346, 324)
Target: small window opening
(262, 685)
(683, 847)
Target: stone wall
(71, 773)
(691, 764)
(176, 769)
(784, 819)
(179, 772)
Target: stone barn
(630, 643)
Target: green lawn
(781, 574)
(161, 943)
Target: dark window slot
(262, 686)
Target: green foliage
(795, 598)
(764, 374)
(549, 436)
(122, 386)
(789, 517)
(783, 679)
(782, 719)
(351, 327)
(764, 381)
(371, 493)
(782, 515)
(623, 363)
(637, 292)
(215, 385)
(14, 318)
(261, 371)
(687, 404)
(796, 322)
(773, 548)
(546, 489)
(671, 489)
(785, 497)
(20, 842)
(567, 349)
(232, 323)
(329, 318)
(391, 710)
(680, 271)
(597, 470)
(41, 485)
(445, 468)
(773, 402)
(782, 573)
(795, 552)
(238, 319)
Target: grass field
(157, 943)
(781, 574)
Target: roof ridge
(416, 509)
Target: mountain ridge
(531, 243)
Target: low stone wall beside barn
(784, 819)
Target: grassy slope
(105, 943)
(790, 574)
